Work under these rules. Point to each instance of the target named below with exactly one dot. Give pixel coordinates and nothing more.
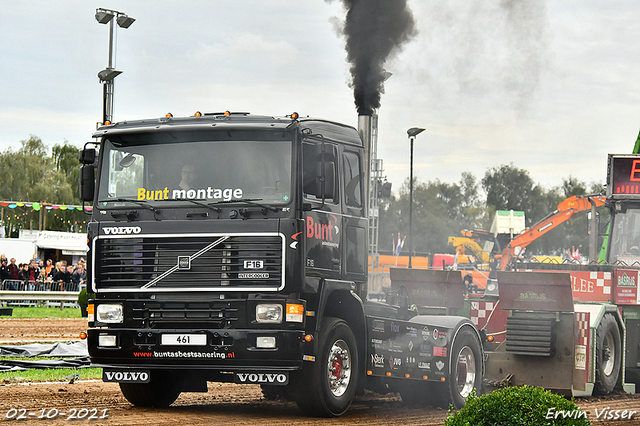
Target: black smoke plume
(374, 30)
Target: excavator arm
(566, 210)
(465, 243)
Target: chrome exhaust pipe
(364, 128)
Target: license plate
(184, 340)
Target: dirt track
(223, 404)
(15, 331)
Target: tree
(31, 175)
(508, 188)
(65, 157)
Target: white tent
(70, 243)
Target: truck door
(323, 227)
(355, 224)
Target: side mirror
(313, 180)
(88, 156)
(87, 182)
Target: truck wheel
(161, 391)
(327, 386)
(608, 355)
(466, 367)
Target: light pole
(412, 133)
(107, 75)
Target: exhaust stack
(364, 128)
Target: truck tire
(326, 387)
(466, 367)
(161, 391)
(608, 355)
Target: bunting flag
(38, 206)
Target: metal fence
(30, 293)
(19, 285)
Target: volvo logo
(126, 376)
(269, 378)
(122, 230)
(184, 263)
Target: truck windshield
(625, 238)
(208, 167)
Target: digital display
(625, 175)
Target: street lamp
(107, 75)
(412, 133)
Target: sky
(550, 87)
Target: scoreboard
(623, 175)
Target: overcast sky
(551, 87)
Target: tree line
(33, 173)
(442, 210)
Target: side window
(319, 168)
(352, 180)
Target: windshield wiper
(200, 203)
(127, 200)
(251, 201)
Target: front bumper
(223, 350)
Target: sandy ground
(102, 403)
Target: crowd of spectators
(36, 273)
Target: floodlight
(103, 16)
(108, 74)
(125, 21)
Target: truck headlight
(269, 313)
(109, 313)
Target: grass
(44, 312)
(50, 374)
(46, 374)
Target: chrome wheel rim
(465, 372)
(339, 368)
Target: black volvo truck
(233, 248)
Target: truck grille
(529, 336)
(178, 315)
(189, 263)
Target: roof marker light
(168, 115)
(197, 114)
(227, 113)
(294, 116)
(107, 123)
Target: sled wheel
(327, 386)
(608, 355)
(162, 390)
